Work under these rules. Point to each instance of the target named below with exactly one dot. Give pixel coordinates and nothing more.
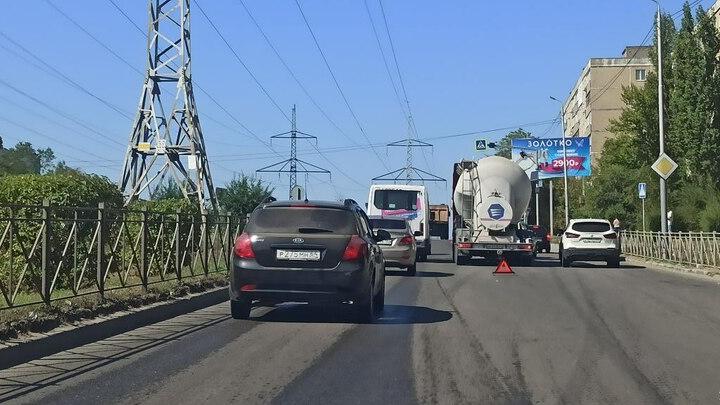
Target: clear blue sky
(467, 66)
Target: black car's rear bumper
(347, 281)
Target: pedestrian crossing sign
(480, 144)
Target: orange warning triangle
(503, 268)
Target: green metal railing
(50, 252)
(692, 248)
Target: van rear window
(292, 220)
(396, 200)
(591, 227)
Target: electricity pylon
(166, 137)
(293, 166)
(409, 173)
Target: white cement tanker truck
(490, 198)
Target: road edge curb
(39, 345)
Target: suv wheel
(565, 261)
(412, 270)
(614, 263)
(379, 299)
(240, 308)
(366, 310)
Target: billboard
(543, 158)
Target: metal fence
(50, 252)
(694, 248)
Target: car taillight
(611, 236)
(548, 237)
(243, 247)
(571, 235)
(355, 249)
(463, 245)
(406, 240)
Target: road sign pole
(537, 205)
(552, 208)
(643, 214)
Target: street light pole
(661, 123)
(565, 175)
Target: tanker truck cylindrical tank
(497, 191)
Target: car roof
(574, 221)
(307, 203)
(394, 218)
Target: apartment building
(596, 98)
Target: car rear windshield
(591, 226)
(302, 219)
(538, 231)
(390, 224)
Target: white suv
(590, 239)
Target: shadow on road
(601, 265)
(403, 273)
(439, 259)
(392, 315)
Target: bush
(62, 189)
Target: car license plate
(299, 255)
(494, 246)
(592, 240)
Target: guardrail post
(46, 250)
(178, 257)
(143, 249)
(100, 270)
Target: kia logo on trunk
(298, 240)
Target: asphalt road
(451, 335)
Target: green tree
(167, 190)
(242, 194)
(504, 147)
(24, 159)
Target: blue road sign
(642, 190)
(480, 144)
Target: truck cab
(408, 201)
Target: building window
(640, 75)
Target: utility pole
(565, 175)
(293, 166)
(552, 208)
(166, 133)
(661, 123)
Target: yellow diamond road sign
(664, 166)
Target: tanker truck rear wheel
(460, 259)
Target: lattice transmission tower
(166, 137)
(293, 166)
(409, 173)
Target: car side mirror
(381, 235)
(418, 233)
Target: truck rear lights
(355, 250)
(243, 247)
(463, 245)
(571, 235)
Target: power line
(239, 59)
(337, 84)
(72, 83)
(292, 73)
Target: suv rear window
(591, 227)
(393, 224)
(291, 220)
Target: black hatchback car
(308, 251)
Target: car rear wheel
(412, 270)
(240, 308)
(366, 311)
(614, 263)
(380, 299)
(566, 262)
